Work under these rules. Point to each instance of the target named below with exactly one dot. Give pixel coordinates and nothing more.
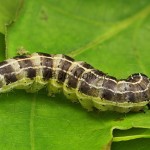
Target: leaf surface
(113, 36)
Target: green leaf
(131, 134)
(111, 35)
(2, 46)
(8, 13)
(141, 144)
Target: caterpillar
(79, 81)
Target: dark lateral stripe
(76, 73)
(86, 65)
(68, 58)
(89, 77)
(108, 95)
(44, 54)
(10, 78)
(47, 62)
(61, 76)
(111, 77)
(86, 89)
(99, 73)
(72, 82)
(47, 73)
(31, 73)
(64, 66)
(21, 57)
(27, 65)
(3, 63)
(133, 78)
(109, 84)
(5, 70)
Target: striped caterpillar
(79, 81)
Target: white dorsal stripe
(91, 85)
(35, 57)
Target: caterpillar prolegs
(79, 81)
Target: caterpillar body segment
(79, 81)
